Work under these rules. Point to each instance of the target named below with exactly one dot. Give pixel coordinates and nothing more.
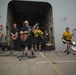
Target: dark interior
(32, 11)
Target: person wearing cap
(30, 41)
(38, 41)
(66, 38)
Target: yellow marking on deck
(51, 64)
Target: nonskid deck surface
(44, 63)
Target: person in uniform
(66, 38)
(38, 37)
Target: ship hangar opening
(34, 12)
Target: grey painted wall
(3, 16)
(64, 14)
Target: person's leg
(18, 46)
(68, 48)
(31, 41)
(39, 43)
(26, 44)
(39, 46)
(32, 50)
(70, 43)
(65, 42)
(36, 39)
(15, 44)
(26, 51)
(35, 47)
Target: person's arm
(63, 38)
(12, 32)
(24, 30)
(17, 32)
(65, 41)
(33, 28)
(41, 32)
(21, 31)
(35, 32)
(71, 35)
